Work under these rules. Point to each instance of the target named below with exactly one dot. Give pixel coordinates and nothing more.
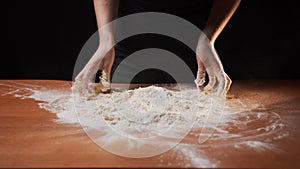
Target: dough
(104, 84)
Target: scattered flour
(153, 119)
(258, 146)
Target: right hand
(103, 60)
(209, 62)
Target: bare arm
(221, 12)
(106, 11)
(103, 58)
(207, 57)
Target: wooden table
(30, 138)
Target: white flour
(166, 114)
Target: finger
(200, 63)
(86, 83)
(211, 83)
(228, 83)
(104, 84)
(201, 73)
(108, 71)
(200, 79)
(84, 88)
(221, 84)
(77, 85)
(79, 76)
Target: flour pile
(149, 111)
(143, 117)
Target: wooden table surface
(29, 137)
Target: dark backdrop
(42, 39)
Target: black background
(42, 39)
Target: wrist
(210, 35)
(205, 40)
(106, 36)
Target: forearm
(106, 11)
(221, 12)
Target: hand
(102, 60)
(208, 61)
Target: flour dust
(163, 119)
